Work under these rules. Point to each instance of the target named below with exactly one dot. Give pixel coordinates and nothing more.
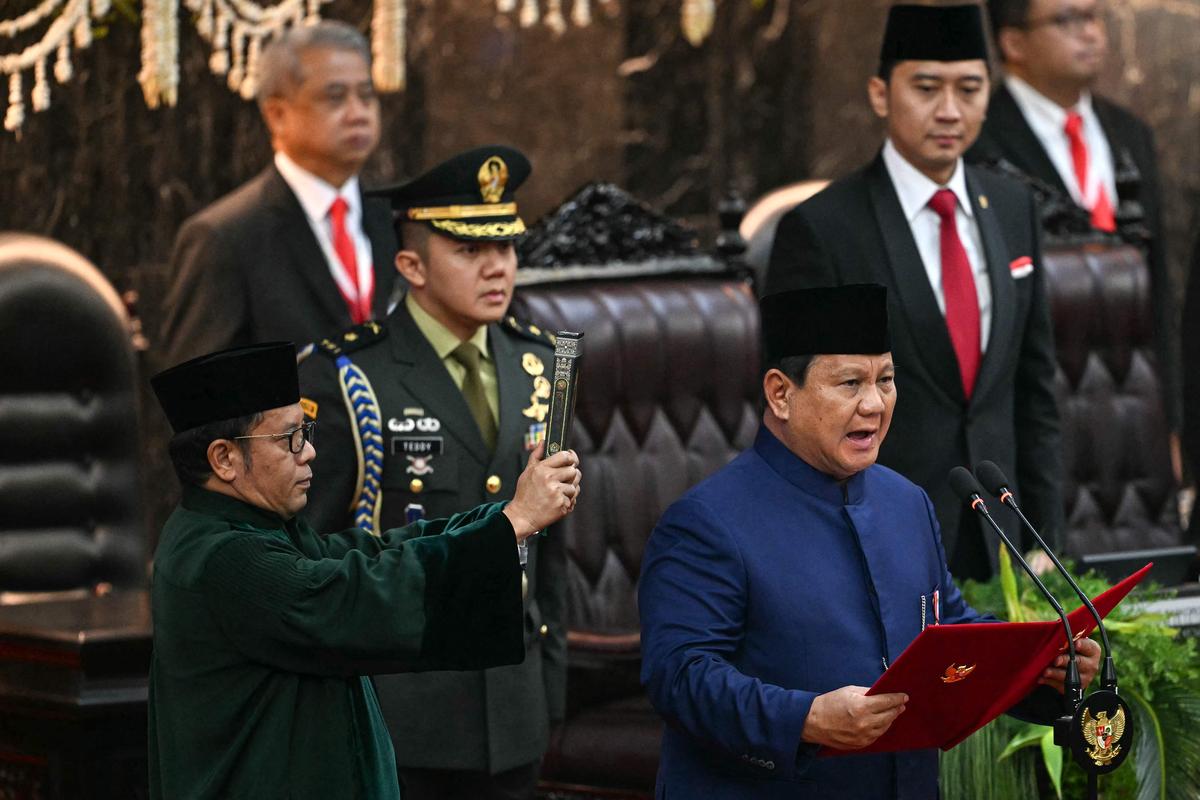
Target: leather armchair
(70, 512)
(668, 394)
(1119, 491)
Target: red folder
(959, 678)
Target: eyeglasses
(1072, 22)
(297, 437)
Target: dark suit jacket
(855, 232)
(1191, 376)
(1007, 135)
(249, 269)
(499, 718)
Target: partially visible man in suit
(296, 253)
(1190, 327)
(959, 251)
(1045, 120)
(428, 413)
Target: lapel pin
(983, 201)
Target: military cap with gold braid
(469, 196)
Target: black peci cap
(840, 320)
(470, 196)
(228, 384)
(934, 33)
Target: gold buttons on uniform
(493, 484)
(544, 630)
(416, 485)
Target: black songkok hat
(469, 196)
(839, 320)
(934, 33)
(228, 384)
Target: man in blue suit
(775, 592)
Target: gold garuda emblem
(1103, 734)
(493, 177)
(955, 673)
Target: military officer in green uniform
(264, 631)
(432, 411)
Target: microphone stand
(991, 477)
(1080, 729)
(967, 488)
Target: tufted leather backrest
(1118, 487)
(70, 516)
(669, 392)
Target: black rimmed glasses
(296, 437)
(1071, 22)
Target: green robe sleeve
(398, 603)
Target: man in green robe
(264, 631)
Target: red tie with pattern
(1101, 207)
(359, 303)
(958, 286)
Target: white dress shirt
(1049, 120)
(316, 196)
(915, 191)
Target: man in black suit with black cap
(432, 411)
(1045, 120)
(959, 252)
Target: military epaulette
(529, 331)
(356, 338)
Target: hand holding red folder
(961, 677)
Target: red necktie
(958, 286)
(360, 303)
(1102, 210)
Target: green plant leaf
(1028, 735)
(1178, 712)
(1148, 753)
(1008, 583)
(1052, 758)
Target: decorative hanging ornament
(529, 13)
(66, 21)
(554, 17)
(387, 45)
(581, 13)
(696, 19)
(159, 76)
(237, 30)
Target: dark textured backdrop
(776, 94)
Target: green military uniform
(435, 462)
(412, 426)
(263, 631)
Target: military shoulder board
(529, 331)
(356, 338)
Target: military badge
(493, 177)
(532, 364)
(955, 673)
(411, 424)
(419, 465)
(539, 401)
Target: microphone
(968, 489)
(993, 478)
